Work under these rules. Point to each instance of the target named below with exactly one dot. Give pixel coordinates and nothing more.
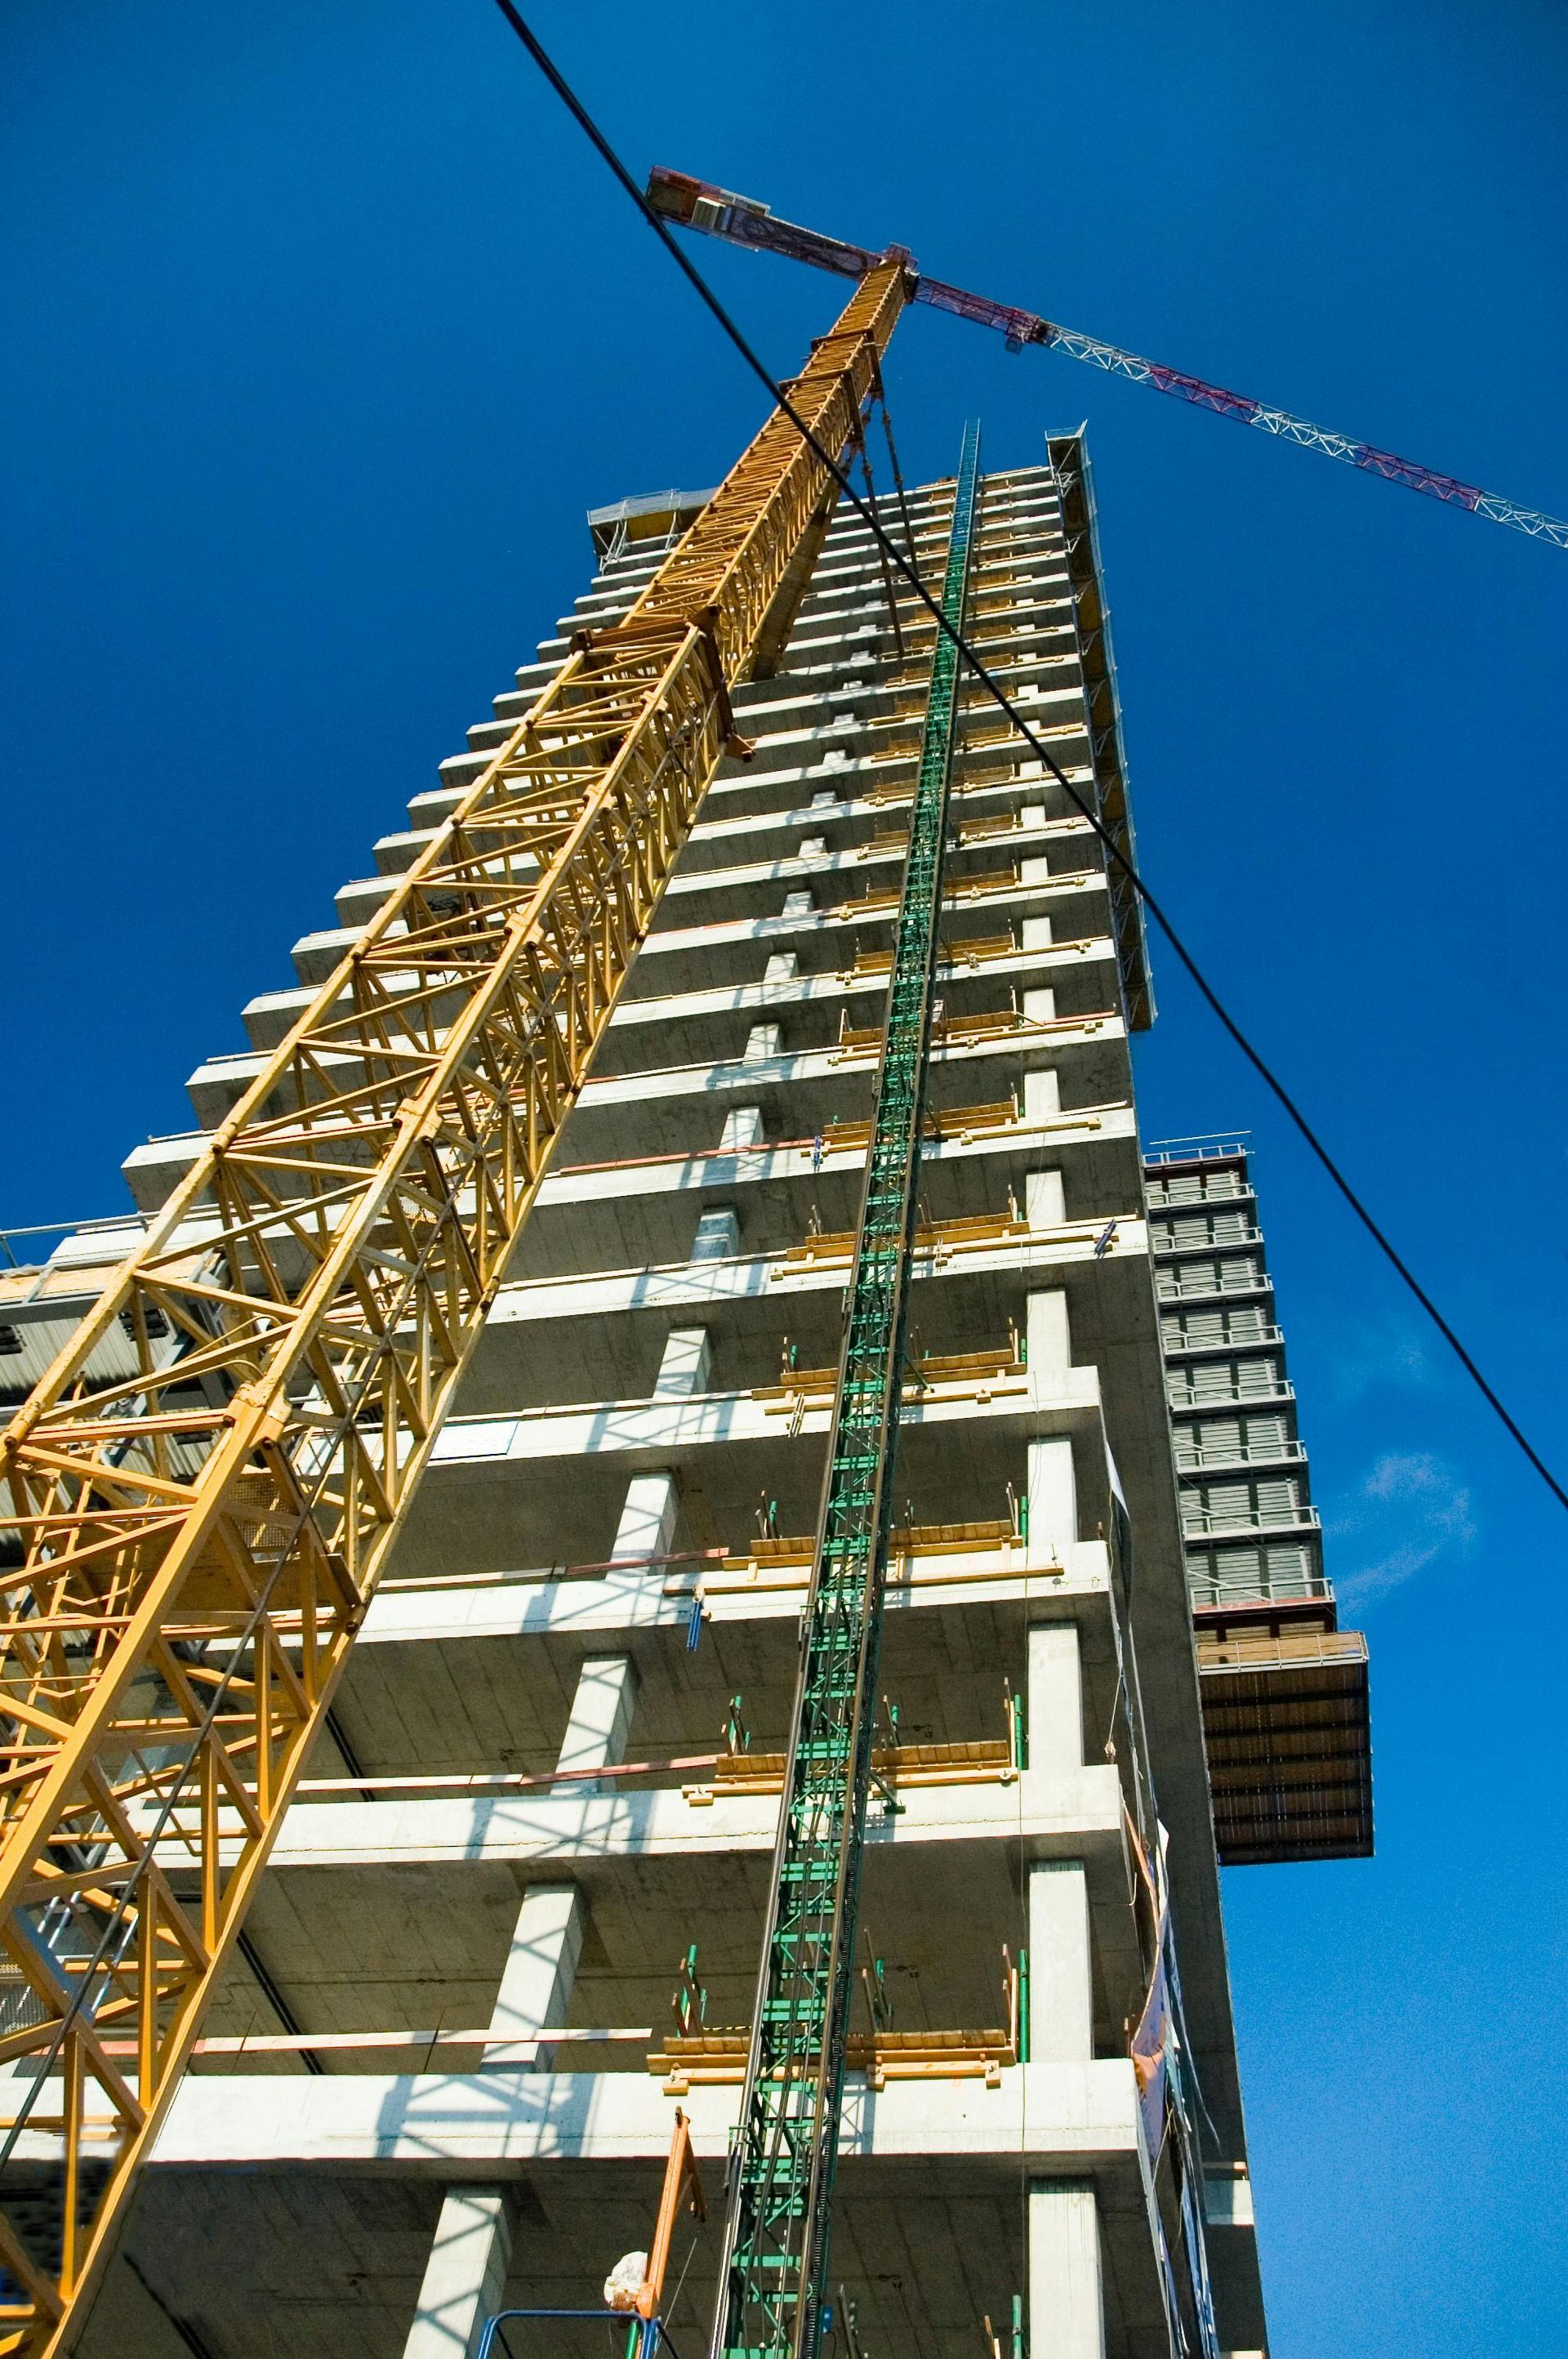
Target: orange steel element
(681, 2178)
(189, 1552)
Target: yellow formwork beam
(192, 1548)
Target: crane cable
(998, 696)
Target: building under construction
(642, 1601)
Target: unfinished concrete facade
(541, 1795)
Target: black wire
(579, 112)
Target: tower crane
(186, 1553)
(741, 221)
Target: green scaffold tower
(774, 2271)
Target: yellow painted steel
(192, 1548)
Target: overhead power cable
(999, 697)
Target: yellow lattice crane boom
(192, 1548)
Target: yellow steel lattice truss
(192, 1551)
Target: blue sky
(326, 329)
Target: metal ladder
(773, 2276)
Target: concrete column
(465, 2276)
(599, 1722)
(1054, 1698)
(1039, 1006)
(798, 905)
(717, 1236)
(537, 1980)
(647, 1525)
(1067, 2307)
(783, 967)
(742, 1128)
(1042, 1096)
(1045, 1200)
(684, 1370)
(547, 1940)
(1053, 1498)
(763, 1040)
(1061, 2001)
(1050, 1336)
(1038, 934)
(1053, 1493)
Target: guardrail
(1276, 1453)
(1212, 1523)
(62, 1229)
(1202, 1146)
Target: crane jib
(743, 221)
(775, 2263)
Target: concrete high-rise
(557, 1743)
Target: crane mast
(190, 1552)
(773, 2274)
